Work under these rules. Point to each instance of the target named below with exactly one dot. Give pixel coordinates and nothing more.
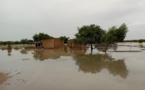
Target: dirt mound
(3, 77)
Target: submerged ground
(72, 70)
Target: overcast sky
(23, 18)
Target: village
(72, 45)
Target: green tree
(90, 34)
(16, 42)
(64, 39)
(41, 36)
(7, 42)
(140, 40)
(114, 35)
(26, 41)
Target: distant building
(74, 45)
(52, 43)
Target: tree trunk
(91, 49)
(106, 46)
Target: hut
(52, 43)
(74, 45)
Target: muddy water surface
(73, 70)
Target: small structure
(72, 44)
(52, 43)
(38, 44)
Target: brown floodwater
(59, 69)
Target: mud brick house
(52, 43)
(74, 45)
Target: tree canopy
(89, 34)
(26, 41)
(41, 36)
(115, 34)
(64, 39)
(92, 34)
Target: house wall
(49, 43)
(58, 43)
(73, 45)
(52, 43)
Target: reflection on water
(95, 63)
(23, 51)
(87, 63)
(114, 47)
(72, 70)
(9, 50)
(41, 55)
